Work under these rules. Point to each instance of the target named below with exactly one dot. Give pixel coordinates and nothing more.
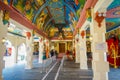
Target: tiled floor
(69, 71)
(114, 74)
(19, 73)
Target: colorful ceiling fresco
(57, 11)
(54, 17)
(113, 15)
(60, 17)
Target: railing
(46, 63)
(61, 65)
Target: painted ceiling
(59, 17)
(54, 17)
(113, 15)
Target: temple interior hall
(59, 39)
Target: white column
(77, 55)
(15, 54)
(29, 51)
(3, 34)
(100, 65)
(41, 47)
(83, 56)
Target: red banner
(113, 51)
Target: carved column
(100, 65)
(29, 51)
(77, 48)
(3, 34)
(41, 47)
(83, 56)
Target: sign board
(101, 46)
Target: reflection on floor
(69, 71)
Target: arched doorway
(8, 56)
(21, 53)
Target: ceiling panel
(57, 10)
(113, 15)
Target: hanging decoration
(6, 17)
(28, 34)
(99, 18)
(83, 33)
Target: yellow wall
(67, 45)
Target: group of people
(70, 54)
(51, 54)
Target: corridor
(86, 31)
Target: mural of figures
(26, 7)
(18, 4)
(28, 10)
(41, 20)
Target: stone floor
(114, 74)
(69, 71)
(18, 72)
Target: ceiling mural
(29, 8)
(56, 8)
(54, 17)
(113, 15)
(24, 7)
(41, 19)
(59, 17)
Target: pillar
(3, 34)
(15, 54)
(41, 48)
(29, 51)
(83, 56)
(77, 48)
(100, 65)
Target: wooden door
(61, 47)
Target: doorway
(21, 53)
(8, 56)
(61, 47)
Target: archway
(21, 52)
(8, 55)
